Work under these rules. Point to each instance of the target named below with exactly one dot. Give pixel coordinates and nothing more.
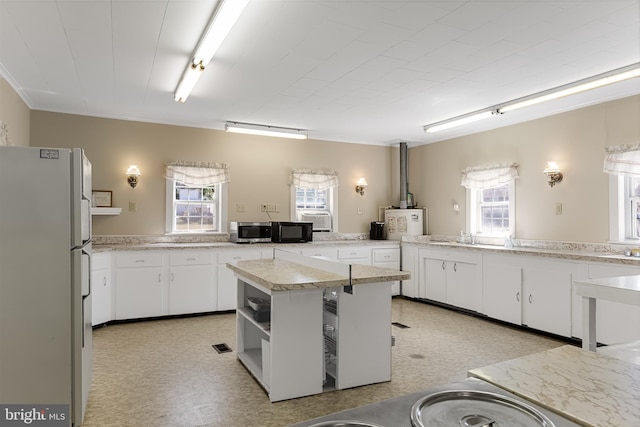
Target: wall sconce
(360, 186)
(552, 170)
(132, 175)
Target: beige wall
(259, 168)
(15, 114)
(576, 140)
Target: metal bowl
(341, 423)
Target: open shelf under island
(328, 327)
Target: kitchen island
(323, 324)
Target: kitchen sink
(468, 403)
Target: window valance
(622, 160)
(318, 179)
(197, 174)
(488, 176)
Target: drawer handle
(191, 259)
(237, 257)
(518, 296)
(455, 266)
(159, 277)
(530, 297)
(104, 281)
(443, 265)
(171, 277)
(140, 260)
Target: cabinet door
(139, 293)
(434, 280)
(462, 285)
(547, 296)
(502, 291)
(615, 322)
(191, 289)
(410, 264)
(100, 296)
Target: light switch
(133, 206)
(558, 208)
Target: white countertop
(586, 387)
(281, 275)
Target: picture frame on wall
(101, 199)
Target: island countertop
(586, 387)
(282, 275)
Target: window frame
(622, 223)
(221, 210)
(474, 213)
(332, 206)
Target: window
(491, 199)
(313, 198)
(196, 197)
(195, 209)
(622, 163)
(632, 206)
(491, 210)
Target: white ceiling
(362, 71)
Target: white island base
(287, 355)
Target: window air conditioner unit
(321, 220)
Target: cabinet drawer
(321, 252)
(139, 259)
(454, 256)
(234, 255)
(100, 261)
(386, 255)
(348, 253)
(190, 258)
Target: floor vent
(400, 325)
(221, 348)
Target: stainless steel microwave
(292, 231)
(250, 232)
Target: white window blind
(622, 160)
(489, 176)
(318, 179)
(197, 174)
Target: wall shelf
(106, 211)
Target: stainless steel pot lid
(344, 423)
(474, 408)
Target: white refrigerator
(45, 289)
(405, 222)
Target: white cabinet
(227, 285)
(615, 322)
(530, 291)
(546, 291)
(139, 286)
(101, 288)
(410, 263)
(387, 258)
(452, 277)
(325, 252)
(284, 354)
(355, 254)
(502, 289)
(192, 282)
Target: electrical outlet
(272, 207)
(240, 207)
(558, 208)
(263, 207)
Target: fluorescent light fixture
(610, 77)
(224, 18)
(594, 82)
(264, 130)
(188, 81)
(458, 121)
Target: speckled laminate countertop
(586, 387)
(281, 275)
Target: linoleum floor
(165, 373)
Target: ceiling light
(610, 77)
(224, 18)
(594, 82)
(460, 120)
(265, 130)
